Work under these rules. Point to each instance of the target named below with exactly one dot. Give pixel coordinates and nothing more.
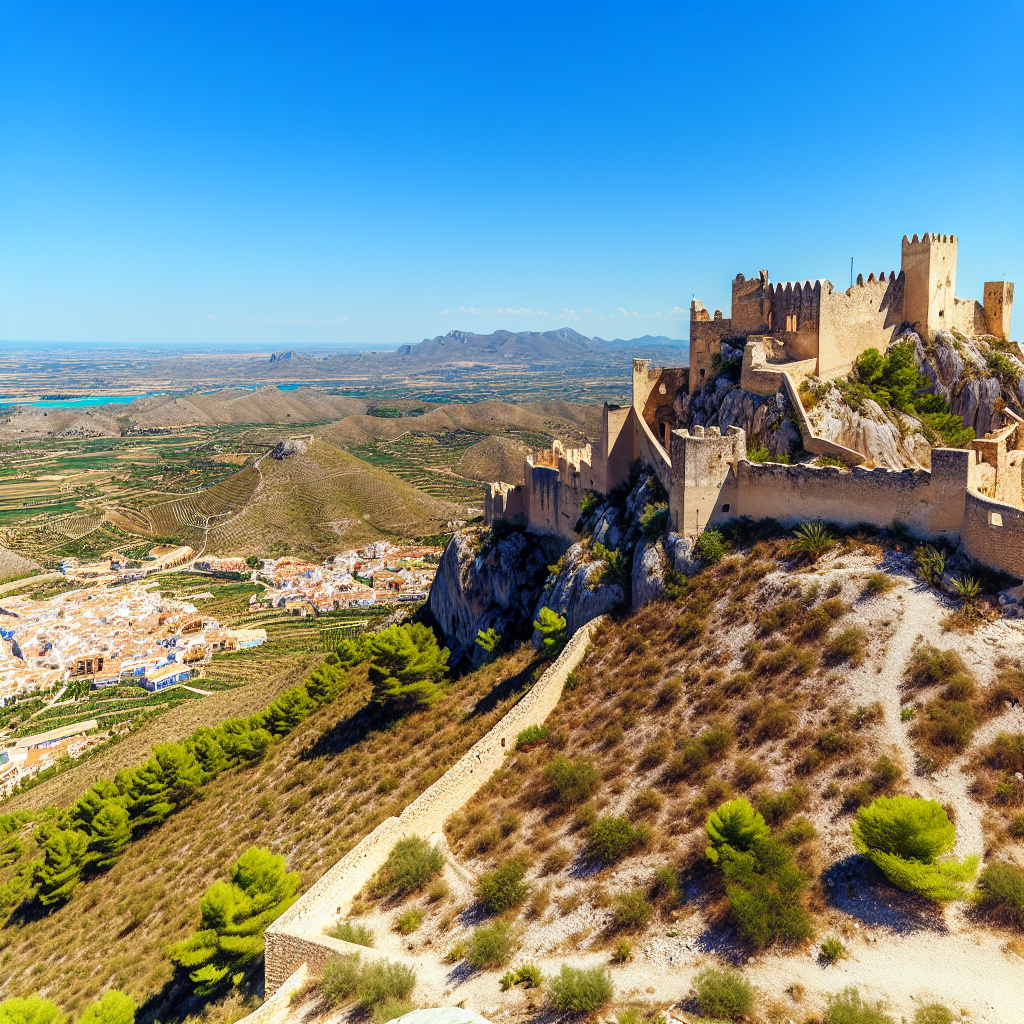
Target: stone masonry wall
(297, 936)
(993, 533)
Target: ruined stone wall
(993, 533)
(503, 501)
(658, 411)
(648, 449)
(551, 501)
(752, 304)
(617, 446)
(865, 316)
(929, 271)
(296, 937)
(968, 317)
(998, 308)
(705, 342)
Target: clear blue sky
(373, 174)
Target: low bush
(647, 801)
(723, 994)
(847, 1007)
(503, 888)
(348, 931)
(632, 911)
(570, 782)
(877, 583)
(490, 946)
(929, 666)
(531, 736)
(1001, 892)
(846, 646)
(409, 921)
(391, 1009)
(528, 974)
(734, 826)
(610, 838)
(777, 808)
(904, 837)
(579, 990)
(832, 949)
(622, 952)
(946, 728)
(411, 864)
(341, 977)
(709, 547)
(383, 980)
(934, 1013)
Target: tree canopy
(407, 668)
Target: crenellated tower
(929, 271)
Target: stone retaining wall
(296, 938)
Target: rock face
(648, 572)
(576, 593)
(286, 449)
(495, 587)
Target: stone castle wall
(868, 315)
(297, 938)
(993, 533)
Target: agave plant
(931, 564)
(813, 539)
(968, 590)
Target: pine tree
(33, 1010)
(208, 752)
(551, 627)
(112, 1007)
(162, 785)
(60, 869)
(288, 711)
(91, 803)
(234, 916)
(241, 742)
(327, 682)
(488, 640)
(407, 668)
(110, 834)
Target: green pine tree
(551, 627)
(407, 668)
(112, 1007)
(234, 916)
(110, 832)
(328, 681)
(33, 1010)
(288, 711)
(60, 868)
(162, 785)
(488, 640)
(206, 749)
(241, 742)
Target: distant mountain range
(559, 346)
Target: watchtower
(929, 271)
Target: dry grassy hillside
(13, 565)
(810, 691)
(265, 405)
(574, 422)
(494, 458)
(316, 793)
(312, 502)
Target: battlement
(928, 241)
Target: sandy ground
(902, 950)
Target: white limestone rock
(679, 550)
(575, 592)
(648, 573)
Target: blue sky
(298, 174)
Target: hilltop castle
(788, 333)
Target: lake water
(84, 400)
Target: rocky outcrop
(894, 444)
(495, 586)
(577, 591)
(648, 578)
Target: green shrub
(709, 547)
(622, 952)
(30, 1010)
(847, 1007)
(579, 990)
(654, 521)
(764, 888)
(570, 782)
(490, 946)
(503, 888)
(340, 981)
(779, 807)
(904, 836)
(551, 627)
(383, 980)
(1001, 891)
(391, 1009)
(528, 974)
(832, 949)
(934, 1013)
(408, 922)
(812, 539)
(531, 736)
(847, 645)
(112, 1007)
(347, 931)
(632, 911)
(724, 995)
(411, 864)
(1003, 367)
(610, 838)
(877, 583)
(735, 824)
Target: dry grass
(312, 798)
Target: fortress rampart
(790, 332)
(295, 942)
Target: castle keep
(788, 333)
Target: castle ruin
(788, 333)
